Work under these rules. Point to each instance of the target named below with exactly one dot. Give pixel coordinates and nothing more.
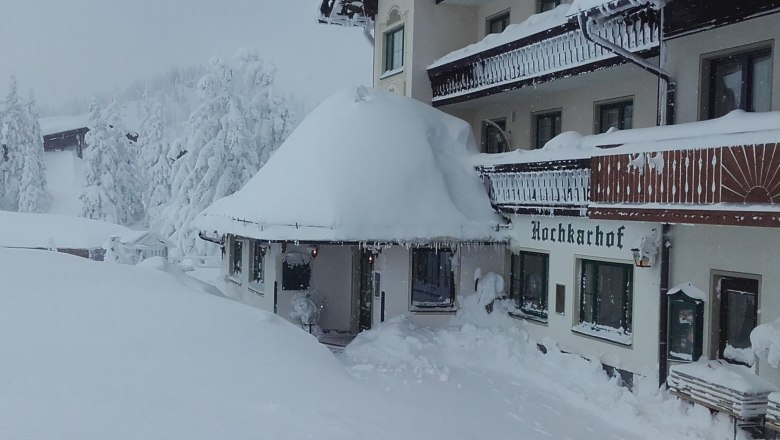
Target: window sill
(259, 289)
(433, 309)
(389, 73)
(234, 279)
(519, 314)
(604, 334)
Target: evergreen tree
(14, 137)
(33, 194)
(154, 161)
(112, 189)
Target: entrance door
(366, 289)
(738, 316)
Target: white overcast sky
(74, 48)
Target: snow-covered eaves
(61, 124)
(398, 171)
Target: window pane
(432, 278)
(534, 283)
(296, 272)
(605, 294)
(727, 87)
(762, 84)
(498, 24)
(494, 140)
(587, 292)
(394, 49)
(741, 318)
(238, 249)
(610, 117)
(628, 116)
(547, 127)
(257, 264)
(546, 5)
(611, 289)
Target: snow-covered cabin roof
(24, 230)
(366, 165)
(736, 128)
(59, 124)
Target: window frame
(540, 4)
(389, 50)
(236, 268)
(449, 304)
(518, 281)
(621, 104)
(257, 250)
(627, 300)
(745, 59)
(538, 118)
(501, 18)
(487, 129)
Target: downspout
(671, 85)
(663, 312)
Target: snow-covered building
(613, 221)
(371, 225)
(78, 236)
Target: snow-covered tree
(22, 172)
(239, 124)
(112, 189)
(216, 156)
(33, 193)
(153, 161)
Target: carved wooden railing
(725, 185)
(549, 55)
(559, 187)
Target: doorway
(738, 317)
(366, 290)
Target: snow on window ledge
(520, 313)
(432, 308)
(258, 288)
(392, 72)
(235, 278)
(618, 336)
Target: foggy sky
(74, 48)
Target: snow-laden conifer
(153, 161)
(33, 194)
(14, 137)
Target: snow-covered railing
(730, 185)
(540, 187)
(546, 56)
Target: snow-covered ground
(96, 350)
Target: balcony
(729, 185)
(557, 52)
(549, 188)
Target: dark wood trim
(554, 211)
(553, 165)
(690, 216)
(566, 73)
(693, 16)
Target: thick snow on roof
(44, 230)
(58, 124)
(366, 165)
(736, 128)
(718, 372)
(532, 25)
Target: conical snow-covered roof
(366, 165)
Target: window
(433, 283)
(739, 81)
(237, 257)
(394, 49)
(497, 23)
(605, 300)
(529, 283)
(618, 115)
(560, 299)
(547, 5)
(547, 126)
(492, 139)
(296, 271)
(258, 254)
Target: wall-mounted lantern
(644, 255)
(313, 251)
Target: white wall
(699, 250)
(641, 357)
(685, 57)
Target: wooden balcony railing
(542, 57)
(560, 187)
(738, 185)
